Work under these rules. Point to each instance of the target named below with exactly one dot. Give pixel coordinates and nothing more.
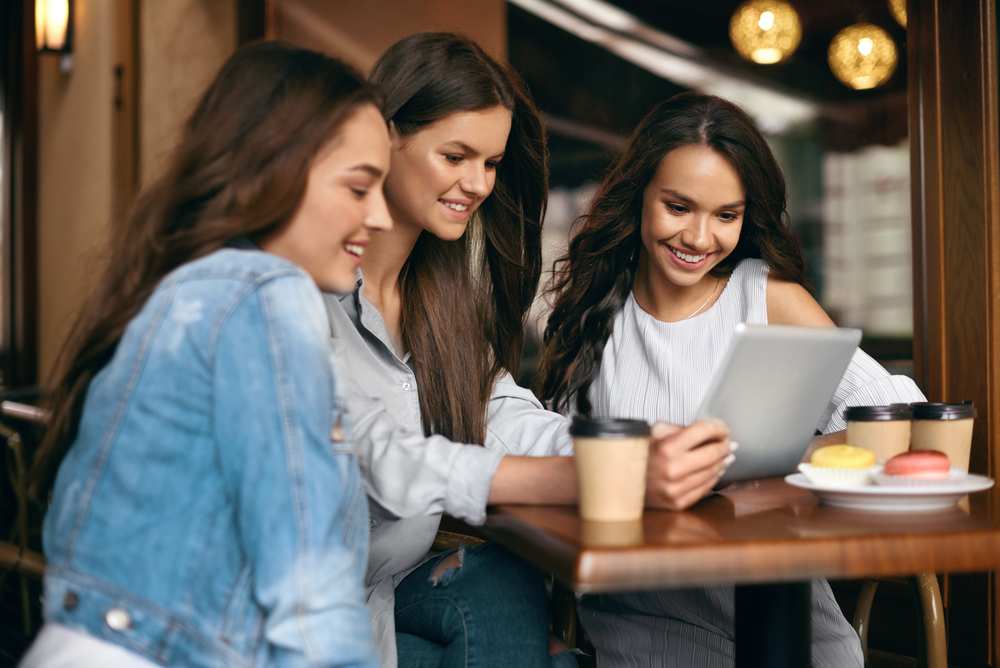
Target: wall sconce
(54, 30)
(765, 31)
(862, 56)
(898, 9)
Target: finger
(688, 498)
(695, 496)
(706, 477)
(662, 430)
(697, 435)
(673, 495)
(680, 462)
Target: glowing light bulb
(862, 56)
(765, 31)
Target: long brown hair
(465, 301)
(240, 170)
(591, 282)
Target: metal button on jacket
(71, 600)
(118, 619)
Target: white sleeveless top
(653, 370)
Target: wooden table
(760, 533)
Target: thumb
(662, 430)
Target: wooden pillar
(19, 199)
(955, 173)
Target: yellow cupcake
(843, 457)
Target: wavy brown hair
(592, 281)
(240, 170)
(465, 301)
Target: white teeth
(688, 258)
(456, 207)
(356, 249)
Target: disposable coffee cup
(944, 427)
(610, 459)
(885, 430)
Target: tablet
(772, 389)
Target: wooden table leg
(773, 625)
(563, 613)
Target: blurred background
(866, 115)
(107, 104)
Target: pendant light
(765, 31)
(898, 9)
(862, 56)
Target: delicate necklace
(717, 281)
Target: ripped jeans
(490, 611)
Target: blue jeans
(490, 611)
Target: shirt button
(118, 619)
(406, 387)
(338, 433)
(71, 600)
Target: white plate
(893, 499)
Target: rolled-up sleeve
(410, 474)
(867, 383)
(518, 424)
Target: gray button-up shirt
(408, 475)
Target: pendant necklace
(717, 281)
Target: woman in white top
(686, 238)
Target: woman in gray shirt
(441, 307)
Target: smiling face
(343, 202)
(692, 215)
(442, 173)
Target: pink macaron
(921, 464)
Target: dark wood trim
(8, 69)
(24, 235)
(254, 20)
(126, 117)
(18, 251)
(955, 171)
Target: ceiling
(705, 23)
(595, 97)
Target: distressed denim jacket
(210, 511)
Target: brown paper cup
(885, 430)
(611, 460)
(944, 427)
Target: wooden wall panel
(955, 172)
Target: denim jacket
(210, 511)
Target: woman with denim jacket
(206, 506)
(429, 339)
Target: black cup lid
(608, 427)
(935, 411)
(878, 413)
